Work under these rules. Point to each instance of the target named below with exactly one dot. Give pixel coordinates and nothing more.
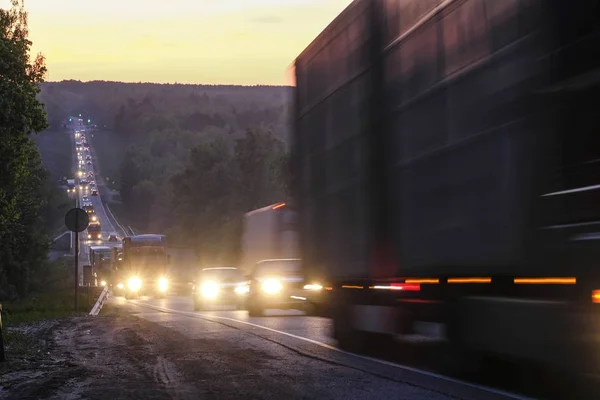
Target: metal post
(76, 261)
(2, 355)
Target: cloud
(267, 19)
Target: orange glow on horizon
(243, 42)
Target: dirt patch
(90, 357)
(119, 356)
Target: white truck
(268, 233)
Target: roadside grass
(43, 306)
(56, 150)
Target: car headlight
(314, 286)
(120, 286)
(103, 283)
(134, 284)
(162, 284)
(242, 289)
(89, 236)
(271, 286)
(209, 289)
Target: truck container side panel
(466, 38)
(336, 175)
(503, 17)
(411, 12)
(335, 55)
(330, 163)
(565, 239)
(446, 187)
(420, 65)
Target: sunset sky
(185, 41)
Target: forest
(187, 160)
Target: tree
(23, 247)
(258, 155)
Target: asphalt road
(291, 347)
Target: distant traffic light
(89, 121)
(70, 119)
(79, 115)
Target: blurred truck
(445, 162)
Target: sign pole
(77, 221)
(76, 262)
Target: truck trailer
(445, 158)
(100, 260)
(268, 233)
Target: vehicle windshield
(221, 275)
(148, 254)
(279, 267)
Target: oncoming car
(219, 285)
(280, 284)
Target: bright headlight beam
(314, 286)
(242, 289)
(134, 284)
(271, 286)
(209, 289)
(163, 284)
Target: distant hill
(137, 108)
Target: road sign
(77, 220)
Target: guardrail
(121, 227)
(100, 302)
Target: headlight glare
(103, 283)
(271, 286)
(163, 284)
(242, 289)
(134, 284)
(209, 289)
(314, 286)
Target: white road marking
(329, 347)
